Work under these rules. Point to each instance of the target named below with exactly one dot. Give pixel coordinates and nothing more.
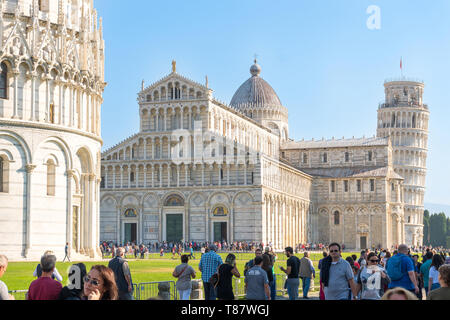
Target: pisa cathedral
(203, 170)
(51, 85)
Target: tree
(426, 227)
(438, 229)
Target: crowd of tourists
(376, 275)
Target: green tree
(426, 227)
(438, 229)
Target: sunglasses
(334, 251)
(373, 260)
(94, 282)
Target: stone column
(114, 177)
(145, 149)
(118, 235)
(121, 176)
(15, 74)
(69, 231)
(153, 175)
(145, 176)
(33, 84)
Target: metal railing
(19, 294)
(147, 290)
(280, 279)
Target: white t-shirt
(3, 291)
(434, 275)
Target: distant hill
(438, 208)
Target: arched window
(347, 157)
(336, 217)
(325, 157)
(3, 81)
(43, 5)
(51, 170)
(174, 201)
(4, 174)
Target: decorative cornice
(50, 127)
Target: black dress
(225, 286)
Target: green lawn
(19, 275)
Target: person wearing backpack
(400, 269)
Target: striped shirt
(208, 264)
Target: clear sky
(326, 65)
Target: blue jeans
(184, 294)
(306, 283)
(273, 288)
(292, 285)
(210, 291)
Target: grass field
(19, 275)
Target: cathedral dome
(255, 92)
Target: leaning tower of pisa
(51, 87)
(404, 117)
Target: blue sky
(324, 63)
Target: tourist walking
(417, 266)
(372, 279)
(292, 269)
(337, 276)
(442, 293)
(208, 265)
(257, 282)
(122, 275)
(45, 288)
(66, 251)
(4, 295)
(362, 259)
(425, 270)
(400, 269)
(184, 272)
(38, 271)
(226, 272)
(321, 292)
(307, 273)
(433, 278)
(74, 290)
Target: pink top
(44, 288)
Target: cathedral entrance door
(220, 231)
(130, 232)
(174, 227)
(363, 242)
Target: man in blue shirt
(408, 279)
(209, 263)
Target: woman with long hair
(372, 279)
(99, 284)
(267, 267)
(226, 272)
(433, 282)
